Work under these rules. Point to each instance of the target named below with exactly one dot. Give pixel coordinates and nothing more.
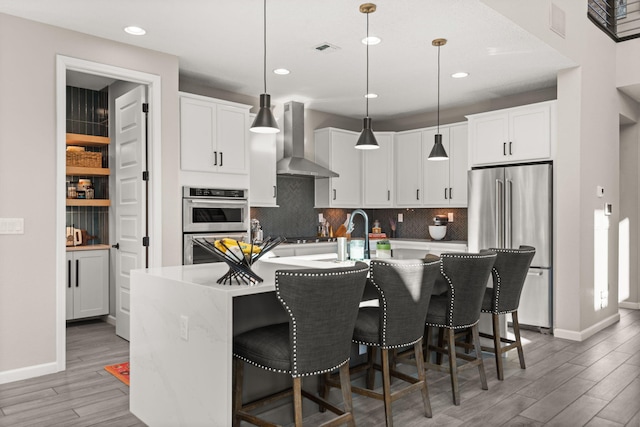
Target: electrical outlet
(184, 327)
(400, 217)
(450, 215)
(320, 217)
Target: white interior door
(129, 199)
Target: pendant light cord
(438, 114)
(264, 41)
(366, 95)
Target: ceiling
(220, 43)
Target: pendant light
(438, 152)
(367, 140)
(264, 121)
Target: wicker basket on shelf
(85, 159)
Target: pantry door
(129, 199)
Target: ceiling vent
(326, 47)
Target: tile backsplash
(296, 215)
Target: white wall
(28, 175)
(587, 156)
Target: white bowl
(437, 232)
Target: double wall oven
(212, 214)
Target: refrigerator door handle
(508, 211)
(499, 214)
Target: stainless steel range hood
(294, 162)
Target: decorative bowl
(437, 232)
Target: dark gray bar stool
(463, 277)
(323, 306)
(509, 274)
(404, 290)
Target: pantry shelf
(88, 202)
(82, 171)
(87, 140)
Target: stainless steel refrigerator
(511, 206)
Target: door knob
(116, 246)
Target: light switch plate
(599, 191)
(11, 225)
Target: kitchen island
(182, 328)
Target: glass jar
(89, 192)
(72, 193)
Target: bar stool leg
(345, 386)
(496, 344)
(238, 378)
(441, 345)
(422, 376)
(516, 332)
(297, 401)
(453, 366)
(386, 385)
(371, 372)
(476, 341)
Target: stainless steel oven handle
(218, 201)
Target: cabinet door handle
(510, 153)
(450, 193)
(418, 194)
(334, 194)
(445, 193)
(504, 148)
(275, 191)
(77, 272)
(388, 195)
(215, 158)
(69, 273)
(221, 158)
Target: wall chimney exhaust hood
(293, 162)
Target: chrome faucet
(367, 254)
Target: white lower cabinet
(264, 187)
(87, 283)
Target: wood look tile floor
(591, 383)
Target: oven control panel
(214, 193)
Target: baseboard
(28, 372)
(629, 305)
(110, 320)
(592, 330)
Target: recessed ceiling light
(459, 75)
(371, 40)
(136, 31)
(281, 71)
(371, 95)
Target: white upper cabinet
(263, 190)
(445, 182)
(378, 173)
(512, 135)
(214, 135)
(334, 149)
(407, 156)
